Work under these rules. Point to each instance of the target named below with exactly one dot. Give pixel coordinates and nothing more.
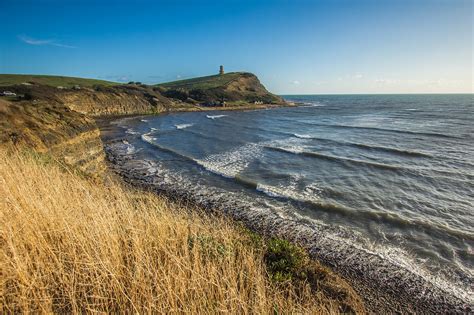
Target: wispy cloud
(296, 82)
(41, 42)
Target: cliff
(233, 88)
(55, 114)
(70, 137)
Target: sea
(389, 174)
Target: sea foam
(183, 126)
(215, 116)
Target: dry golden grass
(71, 245)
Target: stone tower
(221, 70)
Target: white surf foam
(183, 126)
(301, 136)
(132, 131)
(308, 104)
(230, 163)
(290, 190)
(148, 138)
(215, 116)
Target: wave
(389, 217)
(310, 104)
(392, 150)
(227, 164)
(123, 147)
(148, 138)
(230, 163)
(297, 135)
(183, 126)
(309, 194)
(215, 116)
(143, 120)
(132, 131)
(421, 133)
(368, 146)
(335, 158)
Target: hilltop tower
(221, 70)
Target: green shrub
(285, 261)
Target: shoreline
(373, 277)
(111, 117)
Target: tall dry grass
(70, 245)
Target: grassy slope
(70, 245)
(207, 82)
(12, 79)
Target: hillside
(233, 88)
(206, 82)
(50, 80)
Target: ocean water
(391, 174)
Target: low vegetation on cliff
(51, 80)
(234, 87)
(72, 245)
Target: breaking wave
(297, 135)
(183, 126)
(215, 116)
(230, 163)
(369, 147)
(335, 158)
(429, 134)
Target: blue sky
(379, 46)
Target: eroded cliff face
(100, 103)
(248, 87)
(66, 135)
(101, 100)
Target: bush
(285, 261)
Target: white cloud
(40, 42)
(296, 82)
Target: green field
(203, 83)
(12, 79)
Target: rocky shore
(384, 286)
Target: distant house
(26, 83)
(8, 93)
(76, 87)
(60, 87)
(258, 102)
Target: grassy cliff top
(207, 82)
(51, 80)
